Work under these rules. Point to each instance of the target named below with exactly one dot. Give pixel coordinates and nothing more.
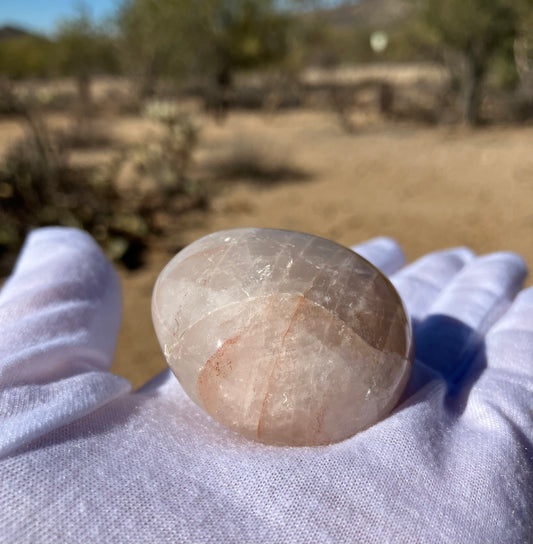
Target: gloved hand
(83, 459)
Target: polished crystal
(284, 337)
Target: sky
(42, 15)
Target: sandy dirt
(430, 188)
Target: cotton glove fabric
(83, 459)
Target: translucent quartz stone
(284, 337)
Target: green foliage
(246, 33)
(39, 186)
(154, 177)
(179, 37)
(480, 34)
(503, 70)
(82, 47)
(26, 56)
(479, 26)
(153, 39)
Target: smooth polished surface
(287, 338)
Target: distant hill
(379, 14)
(8, 32)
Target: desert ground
(427, 187)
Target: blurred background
(150, 123)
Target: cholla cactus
(163, 111)
(164, 160)
(44, 96)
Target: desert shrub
(9, 105)
(18, 99)
(265, 93)
(86, 135)
(479, 38)
(120, 102)
(38, 188)
(342, 100)
(155, 179)
(177, 38)
(83, 49)
(121, 203)
(522, 109)
(160, 167)
(57, 101)
(26, 56)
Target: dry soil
(429, 188)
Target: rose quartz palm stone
(284, 337)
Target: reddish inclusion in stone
(284, 337)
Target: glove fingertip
(383, 252)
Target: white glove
(83, 460)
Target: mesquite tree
(476, 33)
(212, 38)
